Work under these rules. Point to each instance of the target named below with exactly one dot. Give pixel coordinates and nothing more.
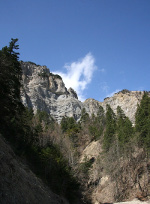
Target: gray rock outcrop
(127, 100)
(45, 91)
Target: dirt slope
(18, 185)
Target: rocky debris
(91, 151)
(131, 182)
(135, 201)
(125, 185)
(100, 183)
(18, 184)
(104, 193)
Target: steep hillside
(23, 131)
(111, 180)
(18, 184)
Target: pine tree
(10, 83)
(101, 116)
(110, 128)
(124, 128)
(97, 124)
(84, 116)
(142, 120)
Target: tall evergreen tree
(142, 120)
(10, 84)
(110, 128)
(101, 115)
(124, 128)
(84, 116)
(97, 123)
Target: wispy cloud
(104, 87)
(102, 70)
(79, 74)
(112, 93)
(141, 88)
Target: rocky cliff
(127, 100)
(46, 91)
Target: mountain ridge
(46, 91)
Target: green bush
(55, 76)
(86, 165)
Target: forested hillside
(25, 131)
(100, 158)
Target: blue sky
(98, 46)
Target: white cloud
(79, 74)
(141, 88)
(111, 94)
(104, 87)
(102, 70)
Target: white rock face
(91, 106)
(46, 91)
(127, 100)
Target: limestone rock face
(72, 93)
(91, 106)
(45, 91)
(127, 100)
(56, 85)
